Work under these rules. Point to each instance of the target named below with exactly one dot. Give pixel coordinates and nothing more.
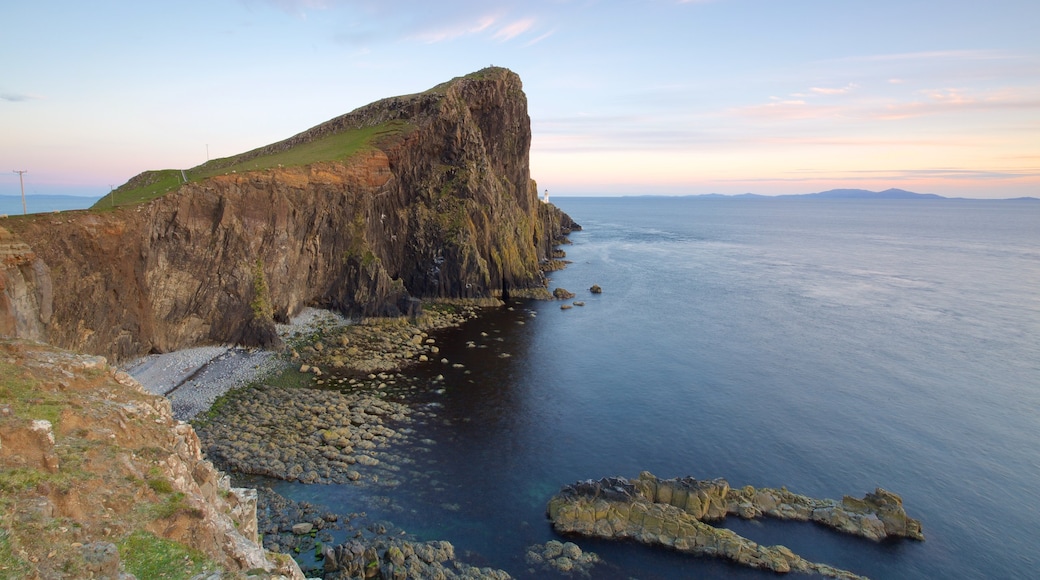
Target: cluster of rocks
(395, 559)
(293, 527)
(563, 294)
(379, 345)
(372, 550)
(306, 435)
(565, 557)
(671, 513)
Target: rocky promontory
(674, 513)
(431, 197)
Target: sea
(829, 346)
(12, 204)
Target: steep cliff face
(25, 290)
(441, 206)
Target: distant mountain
(12, 204)
(853, 194)
(866, 194)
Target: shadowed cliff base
(413, 197)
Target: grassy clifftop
(335, 140)
(335, 147)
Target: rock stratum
(673, 513)
(438, 203)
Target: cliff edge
(413, 197)
(97, 480)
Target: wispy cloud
(786, 110)
(421, 21)
(455, 30)
(513, 29)
(834, 90)
(940, 173)
(18, 97)
(896, 175)
(960, 55)
(934, 102)
(540, 38)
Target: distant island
(891, 193)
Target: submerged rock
(673, 513)
(394, 558)
(565, 557)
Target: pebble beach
(193, 378)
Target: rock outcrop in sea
(673, 513)
(437, 203)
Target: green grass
(11, 566)
(336, 147)
(26, 400)
(149, 185)
(20, 479)
(160, 485)
(147, 556)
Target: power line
(25, 210)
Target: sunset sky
(625, 97)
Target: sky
(625, 97)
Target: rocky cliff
(97, 479)
(25, 290)
(438, 203)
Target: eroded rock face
(445, 208)
(25, 290)
(674, 513)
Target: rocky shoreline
(335, 410)
(323, 411)
(674, 513)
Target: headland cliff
(414, 197)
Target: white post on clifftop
(546, 200)
(25, 211)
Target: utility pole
(25, 211)
(112, 195)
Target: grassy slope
(337, 147)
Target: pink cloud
(834, 91)
(514, 29)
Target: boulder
(562, 294)
(595, 289)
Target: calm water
(829, 346)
